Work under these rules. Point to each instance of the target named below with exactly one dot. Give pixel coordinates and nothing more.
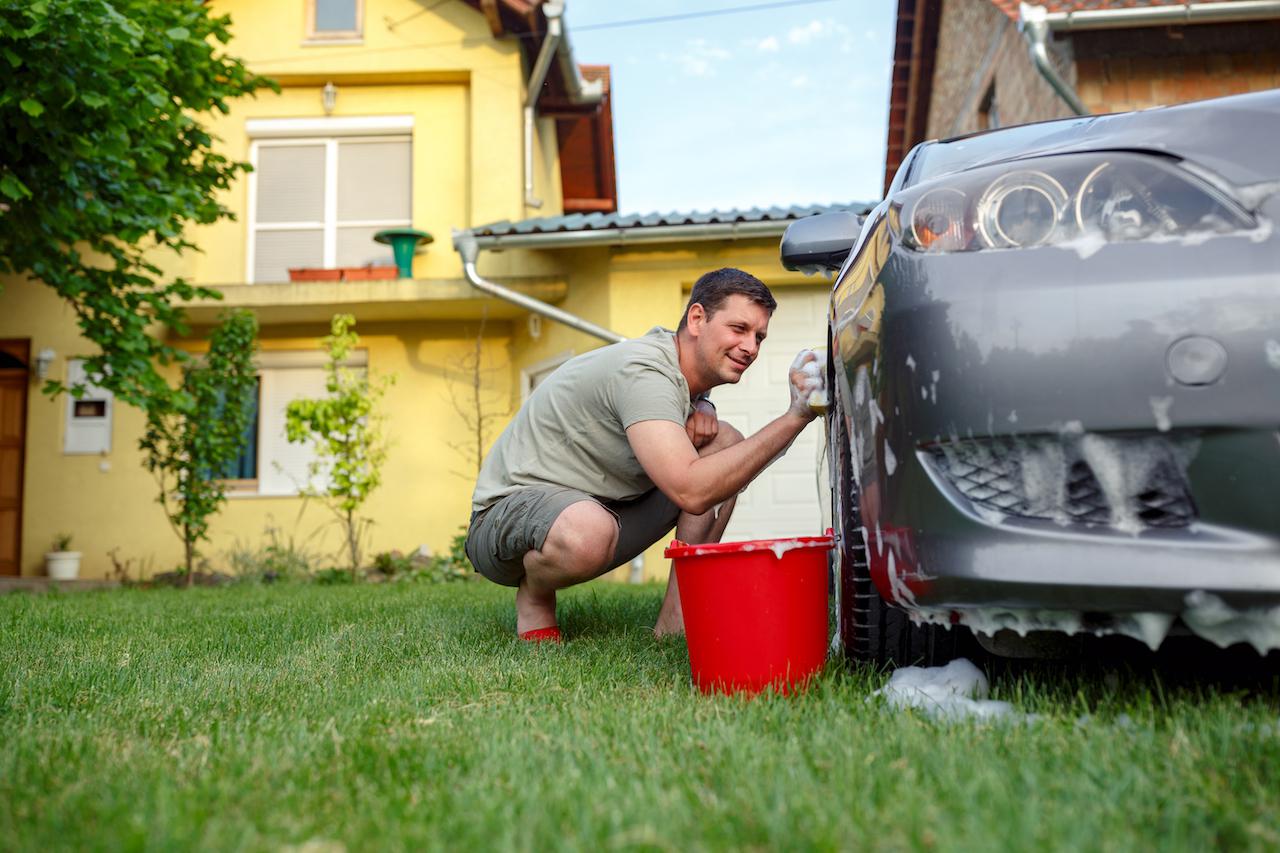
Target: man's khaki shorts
(500, 536)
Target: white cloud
(700, 57)
(800, 81)
(810, 31)
(768, 45)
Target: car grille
(1133, 483)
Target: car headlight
(1108, 197)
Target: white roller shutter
(785, 499)
(285, 466)
(319, 202)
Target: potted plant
(369, 272)
(62, 564)
(315, 274)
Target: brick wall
(1112, 70)
(978, 46)
(1133, 69)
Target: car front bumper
(1031, 451)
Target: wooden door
(14, 379)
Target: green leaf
(108, 186)
(14, 188)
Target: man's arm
(696, 484)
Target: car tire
(870, 629)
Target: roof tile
(604, 221)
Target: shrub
(393, 564)
(333, 576)
(425, 567)
(282, 558)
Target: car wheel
(869, 628)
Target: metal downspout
(553, 10)
(1036, 22)
(465, 244)
(1033, 23)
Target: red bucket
(755, 613)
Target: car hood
(1233, 137)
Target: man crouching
(621, 443)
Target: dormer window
(335, 19)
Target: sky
(779, 106)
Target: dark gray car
(1055, 355)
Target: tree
(188, 445)
(345, 429)
(479, 402)
(106, 162)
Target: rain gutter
(469, 245)
(555, 47)
(465, 243)
(1036, 22)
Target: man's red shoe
(542, 635)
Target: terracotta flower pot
(369, 273)
(314, 274)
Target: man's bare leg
(696, 530)
(578, 547)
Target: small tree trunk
(352, 545)
(190, 556)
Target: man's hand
(806, 381)
(703, 425)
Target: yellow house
(397, 114)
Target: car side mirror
(820, 243)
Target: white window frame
(327, 133)
(344, 36)
(545, 366)
(280, 360)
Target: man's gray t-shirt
(572, 430)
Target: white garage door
(784, 500)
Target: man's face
(729, 340)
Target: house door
(787, 499)
(13, 429)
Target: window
(271, 465)
(243, 471)
(318, 201)
(335, 19)
(533, 375)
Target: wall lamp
(329, 97)
(44, 360)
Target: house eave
(390, 300)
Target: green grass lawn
(408, 717)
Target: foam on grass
(956, 691)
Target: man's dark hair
(715, 287)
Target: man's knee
(582, 539)
(726, 436)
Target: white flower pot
(62, 565)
